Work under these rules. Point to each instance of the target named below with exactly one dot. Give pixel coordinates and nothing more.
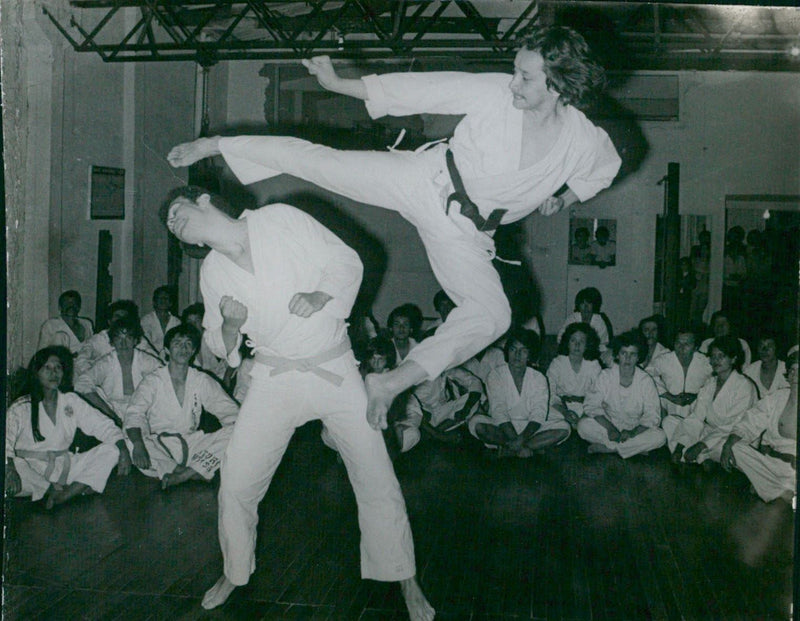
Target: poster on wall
(106, 193)
(593, 241)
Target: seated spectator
(438, 407)
(109, 384)
(587, 309)
(156, 323)
(68, 329)
(379, 356)
(573, 372)
(443, 305)
(763, 444)
(622, 412)
(520, 419)
(679, 376)
(40, 428)
(653, 330)
(721, 326)
(484, 361)
(99, 345)
(720, 405)
(403, 323)
(767, 372)
(163, 417)
(204, 359)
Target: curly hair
(569, 68)
(731, 347)
(592, 340)
(631, 338)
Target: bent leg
(645, 442)
(770, 477)
(93, 467)
(387, 547)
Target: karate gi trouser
(555, 422)
(594, 433)
(202, 452)
(410, 184)
(273, 408)
(770, 476)
(91, 468)
(670, 426)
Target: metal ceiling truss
(643, 35)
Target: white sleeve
(651, 415)
(498, 398)
(597, 166)
(93, 423)
(14, 425)
(434, 92)
(593, 403)
(217, 402)
(212, 317)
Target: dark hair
(582, 230)
(592, 340)
(409, 311)
(527, 338)
(769, 334)
(569, 69)
(602, 230)
(184, 329)
(34, 388)
(591, 295)
(382, 347)
(688, 328)
(127, 306)
(731, 347)
(192, 193)
(661, 325)
(193, 309)
(70, 294)
(440, 298)
(162, 289)
(631, 338)
(127, 324)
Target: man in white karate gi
(287, 282)
(520, 142)
(163, 417)
(763, 444)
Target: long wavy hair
(34, 388)
(568, 65)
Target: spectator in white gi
(588, 302)
(720, 405)
(622, 413)
(99, 344)
(767, 372)
(156, 323)
(110, 382)
(205, 359)
(288, 283)
(679, 376)
(439, 407)
(163, 417)
(721, 325)
(521, 145)
(404, 323)
(68, 329)
(520, 419)
(653, 330)
(573, 372)
(40, 428)
(763, 444)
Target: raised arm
(322, 68)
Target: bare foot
(599, 448)
(181, 474)
(218, 594)
(418, 607)
(379, 399)
(57, 495)
(188, 153)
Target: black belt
(766, 449)
(469, 209)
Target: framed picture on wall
(593, 241)
(106, 193)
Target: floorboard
(561, 536)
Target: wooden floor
(563, 536)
